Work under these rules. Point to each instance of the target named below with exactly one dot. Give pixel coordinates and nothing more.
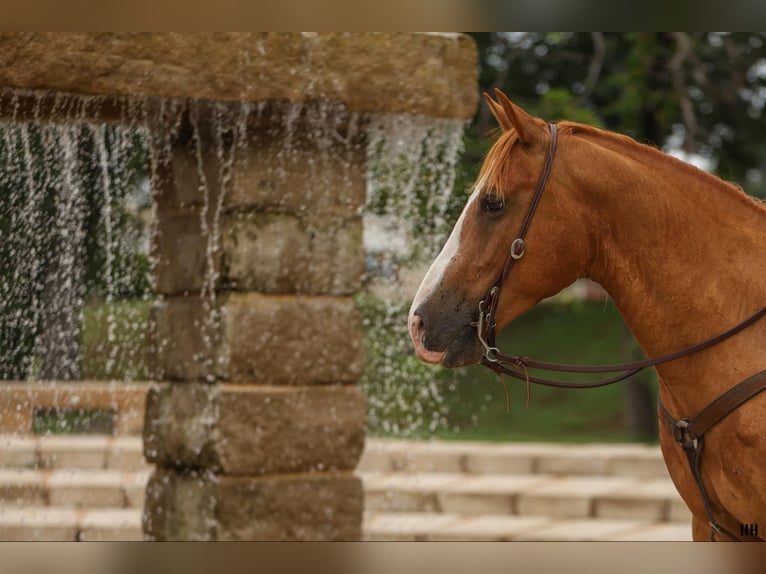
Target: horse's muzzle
(463, 348)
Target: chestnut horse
(681, 252)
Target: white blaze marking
(438, 267)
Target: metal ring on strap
(518, 248)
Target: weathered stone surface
(308, 159)
(180, 506)
(282, 254)
(182, 256)
(372, 72)
(255, 430)
(303, 164)
(319, 507)
(266, 252)
(260, 339)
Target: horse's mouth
(463, 349)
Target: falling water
(412, 171)
(77, 219)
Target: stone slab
(371, 72)
(488, 494)
(583, 530)
(85, 489)
(22, 487)
(73, 451)
(658, 533)
(259, 339)
(300, 507)
(111, 524)
(18, 452)
(38, 524)
(255, 429)
(487, 528)
(406, 492)
(404, 526)
(272, 253)
(568, 497)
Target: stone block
(428, 74)
(405, 526)
(301, 159)
(181, 251)
(255, 430)
(86, 489)
(18, 452)
(266, 252)
(73, 451)
(572, 462)
(300, 507)
(639, 466)
(126, 453)
(631, 507)
(112, 524)
(38, 524)
(255, 338)
(583, 530)
(487, 528)
(23, 487)
(284, 254)
(298, 166)
(568, 497)
(490, 494)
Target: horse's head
(443, 317)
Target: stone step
(389, 455)
(380, 455)
(72, 451)
(564, 497)
(59, 524)
(69, 524)
(92, 488)
(458, 527)
(73, 488)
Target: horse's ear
(499, 113)
(530, 129)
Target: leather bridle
(688, 432)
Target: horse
(682, 254)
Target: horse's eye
(492, 203)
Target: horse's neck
(683, 258)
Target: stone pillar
(258, 428)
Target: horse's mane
(495, 170)
(612, 140)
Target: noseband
(688, 432)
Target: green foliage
(70, 230)
(706, 90)
(115, 340)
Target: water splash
(82, 191)
(412, 171)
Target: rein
(688, 432)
